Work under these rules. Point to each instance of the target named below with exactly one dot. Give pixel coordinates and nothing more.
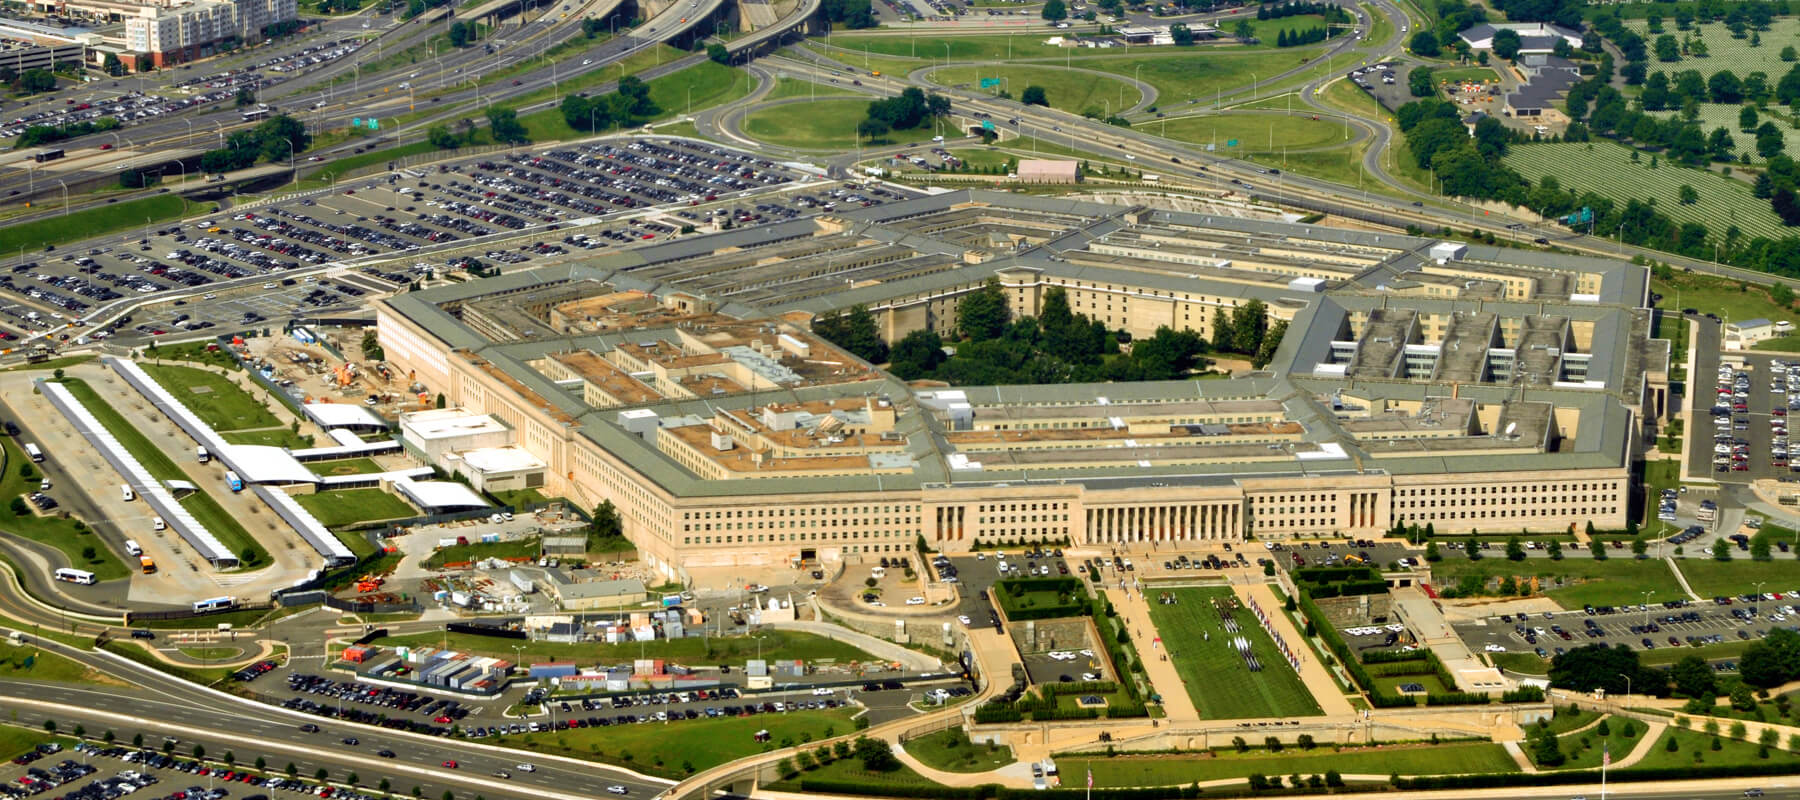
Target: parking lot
(662, 186)
(1749, 413)
(1680, 623)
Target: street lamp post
(65, 192)
(1647, 596)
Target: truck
(232, 480)
(217, 177)
(148, 564)
(133, 549)
(201, 454)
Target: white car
(1090, 676)
(525, 768)
(964, 619)
(915, 601)
(617, 789)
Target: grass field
(1465, 74)
(851, 770)
(1067, 90)
(706, 84)
(692, 650)
(226, 528)
(350, 506)
(1694, 747)
(215, 399)
(1254, 133)
(1418, 759)
(1607, 168)
(15, 741)
(1727, 53)
(32, 236)
(1215, 676)
(818, 125)
(345, 466)
(1665, 656)
(211, 653)
(475, 551)
(1710, 578)
(1618, 579)
(47, 666)
(54, 531)
(1584, 750)
(951, 751)
(678, 749)
(1728, 298)
(786, 87)
(339, 166)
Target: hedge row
(1457, 699)
(1418, 666)
(1079, 687)
(989, 790)
(1348, 588)
(1389, 656)
(1632, 774)
(1524, 694)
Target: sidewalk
(1135, 614)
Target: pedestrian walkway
(1134, 613)
(1675, 567)
(1324, 688)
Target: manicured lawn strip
(32, 236)
(786, 87)
(1616, 580)
(1066, 89)
(475, 551)
(51, 530)
(357, 543)
(817, 125)
(276, 437)
(850, 770)
(47, 666)
(1522, 662)
(1416, 759)
(1710, 578)
(214, 398)
(1664, 656)
(1465, 74)
(210, 653)
(230, 534)
(339, 166)
(345, 466)
(678, 749)
(1216, 678)
(951, 751)
(695, 651)
(347, 506)
(1690, 743)
(14, 741)
(1254, 133)
(1390, 684)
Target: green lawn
(675, 751)
(1584, 750)
(62, 534)
(697, 651)
(475, 551)
(97, 222)
(818, 125)
(226, 528)
(1619, 579)
(190, 351)
(1215, 676)
(1694, 748)
(345, 466)
(1710, 578)
(850, 770)
(1254, 133)
(1730, 299)
(1227, 763)
(211, 653)
(1465, 74)
(1390, 684)
(951, 751)
(15, 741)
(350, 506)
(339, 166)
(215, 399)
(1523, 662)
(1665, 656)
(47, 666)
(706, 84)
(786, 87)
(1066, 89)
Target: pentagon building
(1474, 388)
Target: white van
(126, 494)
(132, 549)
(157, 524)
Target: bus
(232, 480)
(148, 564)
(33, 451)
(75, 576)
(256, 114)
(214, 604)
(49, 155)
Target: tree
(504, 126)
(1769, 141)
(1747, 120)
(1419, 83)
(1772, 660)
(199, 752)
(983, 313)
(1667, 49)
(855, 332)
(1721, 550)
(1507, 43)
(606, 523)
(1546, 751)
(1639, 546)
(1514, 550)
(88, 553)
(872, 129)
(1598, 550)
(1600, 667)
(1693, 677)
(116, 68)
(876, 754)
(245, 97)
(1555, 550)
(1472, 548)
(916, 355)
(718, 53)
(1687, 195)
(1243, 30)
(441, 138)
(1034, 96)
(1742, 699)
(1759, 549)
(1055, 11)
(36, 80)
(1431, 553)
(462, 34)
(1424, 44)
(1789, 54)
(1182, 35)
(1724, 87)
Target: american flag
(1606, 755)
(1090, 774)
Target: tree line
(1293, 38)
(626, 106)
(278, 139)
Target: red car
(450, 764)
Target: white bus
(215, 604)
(75, 576)
(33, 451)
(125, 492)
(232, 480)
(201, 454)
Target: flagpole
(1605, 761)
(1090, 779)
